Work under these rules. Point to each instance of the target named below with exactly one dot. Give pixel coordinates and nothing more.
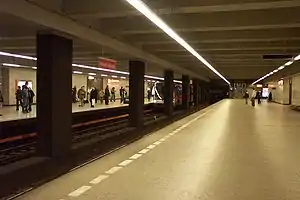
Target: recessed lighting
(148, 13)
(77, 72)
(11, 65)
(34, 67)
(104, 75)
(123, 77)
(92, 74)
(114, 76)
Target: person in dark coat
(31, 96)
(25, 98)
(106, 95)
(18, 98)
(122, 94)
(93, 97)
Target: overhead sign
(107, 63)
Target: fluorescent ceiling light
(77, 72)
(34, 67)
(153, 77)
(92, 74)
(176, 81)
(281, 67)
(104, 75)
(17, 56)
(11, 65)
(297, 57)
(100, 69)
(276, 70)
(114, 76)
(288, 63)
(123, 77)
(91, 77)
(147, 12)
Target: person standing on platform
(101, 96)
(18, 98)
(113, 94)
(93, 97)
(246, 96)
(81, 96)
(74, 92)
(31, 96)
(106, 95)
(25, 98)
(122, 94)
(149, 94)
(258, 97)
(253, 96)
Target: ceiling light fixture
(11, 65)
(92, 74)
(290, 62)
(17, 56)
(91, 77)
(114, 76)
(103, 75)
(123, 77)
(77, 72)
(34, 67)
(147, 12)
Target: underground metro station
(136, 99)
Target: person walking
(31, 96)
(106, 95)
(81, 96)
(258, 97)
(246, 96)
(253, 96)
(18, 98)
(113, 94)
(122, 95)
(93, 97)
(25, 98)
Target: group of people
(24, 98)
(255, 95)
(105, 96)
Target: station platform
(9, 113)
(227, 151)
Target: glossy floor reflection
(230, 151)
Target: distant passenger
(25, 98)
(246, 96)
(74, 92)
(253, 96)
(31, 96)
(122, 94)
(18, 98)
(106, 95)
(149, 94)
(101, 96)
(93, 97)
(270, 97)
(113, 94)
(1, 100)
(258, 95)
(81, 96)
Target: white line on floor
(113, 170)
(80, 191)
(144, 151)
(98, 179)
(157, 143)
(162, 140)
(135, 156)
(125, 162)
(151, 146)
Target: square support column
(136, 93)
(185, 92)
(54, 107)
(168, 92)
(196, 92)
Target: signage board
(107, 63)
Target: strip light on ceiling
(290, 62)
(75, 65)
(11, 65)
(147, 12)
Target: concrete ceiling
(232, 35)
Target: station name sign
(107, 63)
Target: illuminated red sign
(107, 63)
